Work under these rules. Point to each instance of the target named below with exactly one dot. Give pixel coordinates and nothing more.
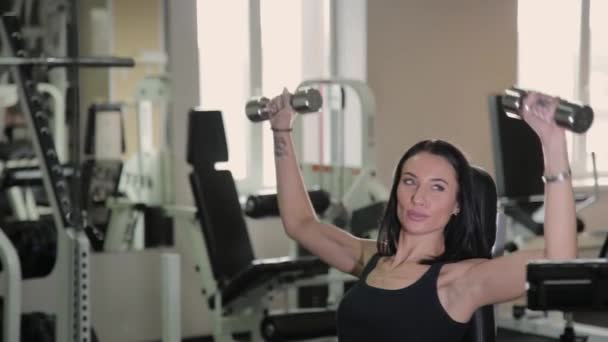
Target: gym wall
(126, 29)
(95, 39)
(432, 64)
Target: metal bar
(37, 120)
(59, 129)
(73, 106)
(90, 62)
(73, 312)
(255, 177)
(12, 299)
(579, 142)
(76, 323)
(368, 108)
(170, 285)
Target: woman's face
(427, 194)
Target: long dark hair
(464, 236)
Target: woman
(426, 274)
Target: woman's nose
(418, 197)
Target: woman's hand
(539, 112)
(281, 112)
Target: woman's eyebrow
(407, 173)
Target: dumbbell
(307, 100)
(572, 116)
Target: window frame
(580, 156)
(254, 175)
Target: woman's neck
(415, 248)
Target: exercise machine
(237, 286)
(70, 274)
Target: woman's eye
(438, 187)
(408, 181)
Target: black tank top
(410, 314)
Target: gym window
(253, 48)
(563, 51)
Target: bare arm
(560, 213)
(333, 245)
(503, 278)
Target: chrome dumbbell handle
(303, 101)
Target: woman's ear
(456, 210)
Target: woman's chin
(418, 228)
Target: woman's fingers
(540, 106)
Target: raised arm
(333, 245)
(560, 213)
(504, 278)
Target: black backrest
(219, 210)
(486, 200)
(482, 327)
(518, 156)
(206, 138)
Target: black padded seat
(227, 239)
(262, 271)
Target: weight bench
(235, 283)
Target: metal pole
(255, 89)
(78, 62)
(12, 300)
(171, 299)
(582, 90)
(73, 108)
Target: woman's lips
(416, 216)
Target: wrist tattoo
(280, 146)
